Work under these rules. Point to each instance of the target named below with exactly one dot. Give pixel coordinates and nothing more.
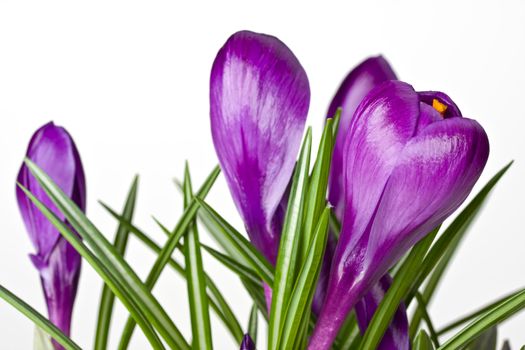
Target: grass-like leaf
(103, 268)
(230, 237)
(316, 199)
(38, 319)
(423, 341)
(396, 293)
(253, 323)
(167, 250)
(239, 269)
(441, 253)
(488, 340)
(107, 299)
(458, 227)
(298, 310)
(490, 318)
(198, 299)
(422, 307)
(217, 301)
(475, 314)
(286, 266)
(152, 309)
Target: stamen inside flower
(440, 107)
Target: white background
(129, 80)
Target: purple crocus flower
(247, 343)
(259, 98)
(410, 159)
(58, 263)
(358, 83)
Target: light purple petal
(259, 98)
(397, 336)
(357, 84)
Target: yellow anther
(440, 107)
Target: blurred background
(130, 80)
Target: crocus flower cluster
(57, 262)
(403, 162)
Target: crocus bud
(357, 84)
(259, 98)
(247, 343)
(410, 159)
(58, 263)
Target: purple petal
(436, 172)
(357, 84)
(58, 263)
(382, 126)
(247, 343)
(53, 149)
(259, 98)
(59, 276)
(396, 337)
(406, 171)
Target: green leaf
(423, 342)
(486, 341)
(217, 301)
(107, 299)
(104, 249)
(104, 268)
(239, 269)
(198, 299)
(286, 266)
(316, 199)
(242, 248)
(496, 315)
(422, 307)
(39, 320)
(253, 323)
(167, 250)
(301, 299)
(447, 243)
(396, 293)
(476, 313)
(42, 341)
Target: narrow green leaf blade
(103, 248)
(253, 323)
(303, 291)
(316, 199)
(103, 268)
(217, 301)
(167, 250)
(492, 317)
(107, 299)
(396, 293)
(198, 299)
(486, 341)
(38, 319)
(447, 240)
(423, 342)
(285, 269)
(231, 238)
